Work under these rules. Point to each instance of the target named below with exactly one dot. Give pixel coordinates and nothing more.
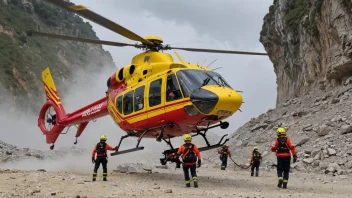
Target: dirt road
(170, 183)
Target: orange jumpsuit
(101, 158)
(189, 159)
(283, 153)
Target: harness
(101, 149)
(256, 156)
(189, 155)
(223, 151)
(283, 148)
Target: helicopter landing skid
(171, 154)
(137, 148)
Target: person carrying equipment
(282, 146)
(224, 154)
(189, 154)
(102, 157)
(256, 159)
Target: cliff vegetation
(23, 58)
(309, 43)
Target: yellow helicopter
(152, 97)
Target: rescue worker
(224, 154)
(102, 157)
(189, 154)
(256, 159)
(282, 146)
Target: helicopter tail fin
(52, 111)
(50, 88)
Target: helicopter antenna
(211, 63)
(204, 62)
(216, 68)
(179, 57)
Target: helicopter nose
(215, 100)
(204, 100)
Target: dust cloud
(19, 128)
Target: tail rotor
(50, 115)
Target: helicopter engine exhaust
(118, 78)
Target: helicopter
(152, 97)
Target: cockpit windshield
(191, 79)
(218, 78)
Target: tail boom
(85, 114)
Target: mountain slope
(23, 58)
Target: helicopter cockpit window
(193, 79)
(155, 93)
(218, 78)
(173, 91)
(139, 98)
(119, 104)
(128, 103)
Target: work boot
(188, 185)
(104, 179)
(256, 174)
(222, 167)
(252, 173)
(284, 185)
(279, 184)
(196, 184)
(93, 179)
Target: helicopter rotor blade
(90, 15)
(85, 40)
(218, 51)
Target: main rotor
(149, 43)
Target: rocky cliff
(309, 43)
(23, 58)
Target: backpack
(224, 150)
(189, 155)
(256, 156)
(282, 145)
(101, 149)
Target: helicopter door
(155, 107)
(173, 97)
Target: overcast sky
(231, 25)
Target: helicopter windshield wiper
(206, 81)
(211, 77)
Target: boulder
(346, 129)
(308, 160)
(331, 151)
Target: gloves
(116, 147)
(199, 163)
(294, 158)
(93, 160)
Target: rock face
(318, 127)
(309, 43)
(24, 57)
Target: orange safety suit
(107, 148)
(290, 146)
(182, 151)
(252, 158)
(226, 153)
